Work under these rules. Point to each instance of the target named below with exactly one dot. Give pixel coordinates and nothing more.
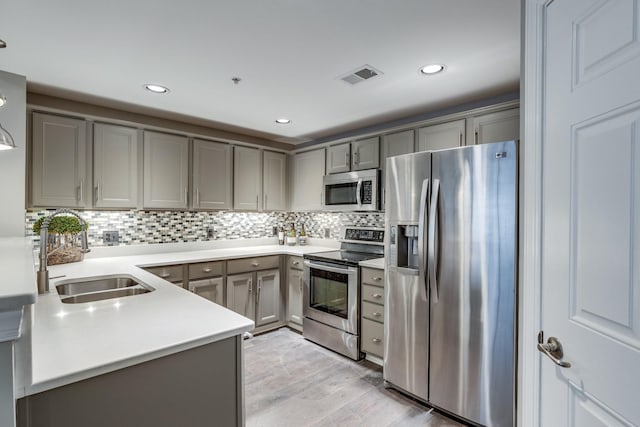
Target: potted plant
(62, 244)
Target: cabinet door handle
(264, 204)
(186, 191)
(300, 280)
(376, 295)
(377, 279)
(476, 136)
(376, 340)
(80, 190)
(295, 262)
(356, 157)
(376, 314)
(198, 197)
(461, 139)
(97, 195)
(346, 158)
(255, 264)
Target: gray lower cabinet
(197, 387)
(295, 277)
(253, 288)
(206, 279)
(170, 273)
(372, 311)
(240, 294)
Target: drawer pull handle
(376, 340)
(255, 264)
(376, 295)
(165, 275)
(296, 262)
(375, 313)
(377, 279)
(206, 270)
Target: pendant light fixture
(6, 140)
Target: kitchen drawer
(373, 276)
(295, 262)
(372, 294)
(171, 273)
(373, 311)
(252, 264)
(206, 269)
(372, 339)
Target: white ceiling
(288, 53)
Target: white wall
(13, 162)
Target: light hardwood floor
(290, 381)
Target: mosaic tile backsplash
(137, 227)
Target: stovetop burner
(342, 257)
(358, 244)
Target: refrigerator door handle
(432, 245)
(358, 195)
(422, 230)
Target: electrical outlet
(327, 233)
(211, 233)
(111, 238)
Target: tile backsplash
(138, 227)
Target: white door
(591, 213)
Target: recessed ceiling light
(156, 88)
(283, 121)
(432, 69)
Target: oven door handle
(333, 269)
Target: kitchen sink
(102, 288)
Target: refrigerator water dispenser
(406, 246)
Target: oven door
(330, 295)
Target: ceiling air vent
(360, 74)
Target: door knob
(553, 349)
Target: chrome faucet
(43, 273)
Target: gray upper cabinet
(355, 155)
(247, 178)
(166, 176)
(115, 166)
(442, 136)
(395, 144)
(339, 158)
(495, 127)
(274, 183)
(212, 175)
(366, 153)
(306, 180)
(60, 162)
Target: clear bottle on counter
(292, 239)
(302, 240)
(281, 235)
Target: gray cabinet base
(197, 387)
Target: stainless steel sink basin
(101, 288)
(95, 285)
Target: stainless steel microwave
(352, 191)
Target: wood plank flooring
(290, 381)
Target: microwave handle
(358, 192)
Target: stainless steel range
(332, 290)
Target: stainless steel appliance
(450, 280)
(352, 191)
(331, 291)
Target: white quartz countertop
(17, 273)
(71, 342)
(373, 263)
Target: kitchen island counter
(66, 343)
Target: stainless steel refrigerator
(450, 266)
